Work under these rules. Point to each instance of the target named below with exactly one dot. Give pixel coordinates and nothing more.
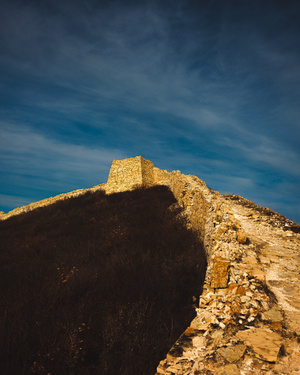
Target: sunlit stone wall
(129, 173)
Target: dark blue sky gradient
(211, 88)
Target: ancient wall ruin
(248, 317)
(129, 173)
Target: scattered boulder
(219, 277)
(234, 353)
(263, 341)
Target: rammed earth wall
(248, 317)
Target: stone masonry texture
(248, 317)
(130, 173)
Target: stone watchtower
(128, 174)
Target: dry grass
(96, 284)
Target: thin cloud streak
(264, 150)
(26, 152)
(7, 200)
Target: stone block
(264, 342)
(219, 277)
(241, 236)
(232, 354)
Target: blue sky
(210, 88)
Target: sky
(210, 88)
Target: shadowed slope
(96, 284)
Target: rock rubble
(247, 321)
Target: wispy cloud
(205, 89)
(8, 200)
(264, 151)
(23, 151)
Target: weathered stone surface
(199, 341)
(199, 324)
(293, 321)
(217, 335)
(264, 342)
(241, 236)
(229, 370)
(241, 290)
(129, 173)
(273, 315)
(219, 277)
(232, 354)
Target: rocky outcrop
(247, 320)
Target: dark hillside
(96, 284)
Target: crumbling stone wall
(248, 317)
(147, 172)
(248, 320)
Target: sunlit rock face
(248, 317)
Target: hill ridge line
(47, 201)
(248, 317)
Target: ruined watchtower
(129, 173)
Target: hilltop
(248, 315)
